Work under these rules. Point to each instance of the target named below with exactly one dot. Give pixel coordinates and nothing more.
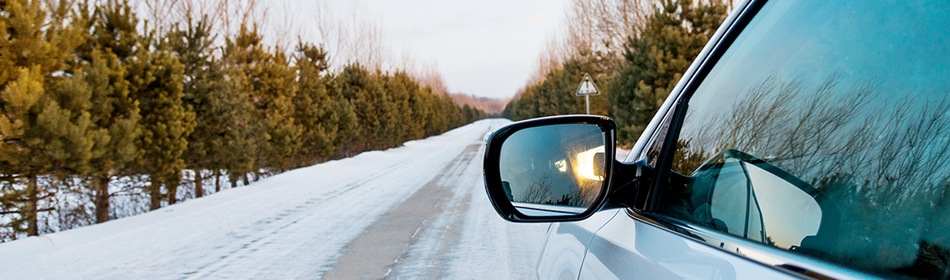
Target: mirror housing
(573, 189)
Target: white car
(809, 139)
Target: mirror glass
(554, 170)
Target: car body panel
(566, 246)
(626, 246)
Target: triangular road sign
(587, 87)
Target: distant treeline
(636, 51)
(89, 93)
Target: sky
(487, 48)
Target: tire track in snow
(373, 254)
(335, 208)
(428, 256)
(285, 218)
(468, 240)
(447, 230)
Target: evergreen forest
(635, 51)
(104, 114)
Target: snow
(300, 223)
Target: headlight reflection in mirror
(585, 162)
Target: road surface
(414, 212)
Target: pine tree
(67, 126)
(242, 130)
(655, 60)
(343, 113)
(206, 93)
(359, 87)
(245, 135)
(438, 119)
(117, 114)
(116, 30)
(165, 124)
(21, 97)
(399, 87)
(419, 100)
(44, 126)
(445, 114)
(313, 106)
(275, 91)
(114, 113)
(270, 82)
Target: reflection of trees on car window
(780, 114)
(877, 160)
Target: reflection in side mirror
(550, 169)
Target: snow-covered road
(418, 211)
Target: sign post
(586, 89)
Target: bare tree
(161, 13)
(233, 14)
(551, 57)
(284, 29)
(429, 75)
(602, 26)
(354, 38)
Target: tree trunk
(233, 179)
(172, 192)
(199, 189)
(102, 198)
(155, 193)
(247, 181)
(30, 207)
(217, 180)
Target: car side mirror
(550, 169)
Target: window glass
(825, 130)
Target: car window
(825, 130)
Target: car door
(808, 140)
(630, 244)
(566, 245)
